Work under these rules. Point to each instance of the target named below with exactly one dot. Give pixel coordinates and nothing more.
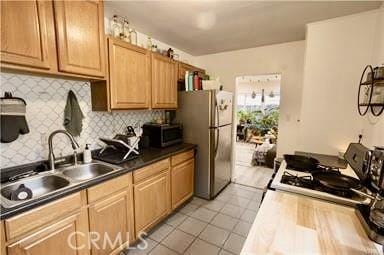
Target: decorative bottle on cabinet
(190, 81)
(186, 78)
(133, 35)
(149, 43)
(195, 80)
(115, 27)
(126, 31)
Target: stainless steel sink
(54, 181)
(87, 171)
(39, 185)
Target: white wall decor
(46, 98)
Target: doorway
(256, 123)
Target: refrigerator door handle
(217, 128)
(217, 113)
(217, 140)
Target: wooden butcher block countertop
(294, 224)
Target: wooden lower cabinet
(152, 201)
(2, 239)
(65, 237)
(182, 177)
(111, 222)
(105, 218)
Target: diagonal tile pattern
(204, 227)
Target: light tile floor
(204, 227)
(246, 174)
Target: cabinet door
(65, 237)
(27, 34)
(2, 238)
(112, 219)
(182, 179)
(182, 68)
(80, 37)
(152, 201)
(130, 77)
(164, 82)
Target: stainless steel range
(301, 182)
(364, 165)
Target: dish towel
(73, 116)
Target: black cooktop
(307, 181)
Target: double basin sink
(54, 181)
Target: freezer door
(220, 158)
(222, 108)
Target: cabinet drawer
(109, 187)
(35, 218)
(182, 157)
(148, 171)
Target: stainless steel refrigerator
(206, 116)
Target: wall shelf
(366, 88)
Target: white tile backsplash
(46, 98)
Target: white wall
(375, 126)
(285, 59)
(337, 51)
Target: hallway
(246, 174)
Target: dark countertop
(326, 160)
(148, 156)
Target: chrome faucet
(51, 155)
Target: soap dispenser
(87, 157)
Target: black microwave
(163, 135)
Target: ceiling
(205, 27)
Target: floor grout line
(202, 204)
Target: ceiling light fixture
(262, 96)
(206, 20)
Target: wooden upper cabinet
(183, 67)
(164, 82)
(27, 35)
(129, 75)
(80, 37)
